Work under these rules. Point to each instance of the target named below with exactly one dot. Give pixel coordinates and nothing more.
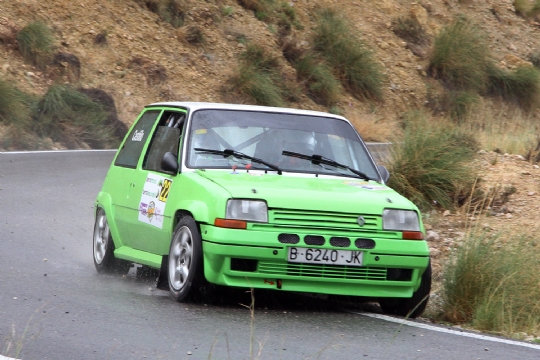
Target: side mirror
(169, 163)
(385, 174)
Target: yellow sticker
(200, 131)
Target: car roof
(193, 106)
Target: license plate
(325, 256)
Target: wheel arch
(104, 201)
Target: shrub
(36, 44)
(493, 285)
(359, 73)
(521, 86)
(72, 118)
(527, 9)
(410, 30)
(430, 165)
(321, 84)
(461, 104)
(258, 77)
(170, 11)
(14, 106)
(460, 57)
(273, 12)
(534, 58)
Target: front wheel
(185, 262)
(411, 307)
(104, 259)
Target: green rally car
(259, 197)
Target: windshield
(265, 135)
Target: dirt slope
(138, 40)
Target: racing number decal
(164, 192)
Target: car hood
(308, 192)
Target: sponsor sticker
(138, 135)
(365, 185)
(153, 200)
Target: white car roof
(192, 106)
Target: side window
(129, 154)
(165, 139)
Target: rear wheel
(185, 262)
(104, 259)
(410, 307)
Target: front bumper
(256, 259)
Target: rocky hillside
(131, 53)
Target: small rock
(531, 193)
(520, 157)
(525, 173)
(446, 213)
(512, 47)
(432, 236)
(435, 253)
(189, 353)
(383, 45)
(508, 216)
(536, 167)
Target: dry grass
(373, 127)
(492, 284)
(505, 128)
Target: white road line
(53, 151)
(447, 331)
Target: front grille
(288, 238)
(314, 240)
(277, 269)
(322, 219)
(364, 243)
(340, 241)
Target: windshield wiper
(321, 160)
(240, 155)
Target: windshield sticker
(200, 131)
(138, 135)
(153, 200)
(364, 185)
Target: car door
(123, 174)
(152, 223)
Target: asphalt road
(53, 304)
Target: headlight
(400, 220)
(248, 210)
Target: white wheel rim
(101, 235)
(180, 258)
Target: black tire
(103, 245)
(185, 262)
(411, 307)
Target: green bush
(521, 86)
(460, 56)
(36, 44)
(258, 77)
(335, 40)
(526, 8)
(461, 104)
(320, 83)
(273, 12)
(14, 106)
(410, 30)
(492, 284)
(72, 118)
(430, 165)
